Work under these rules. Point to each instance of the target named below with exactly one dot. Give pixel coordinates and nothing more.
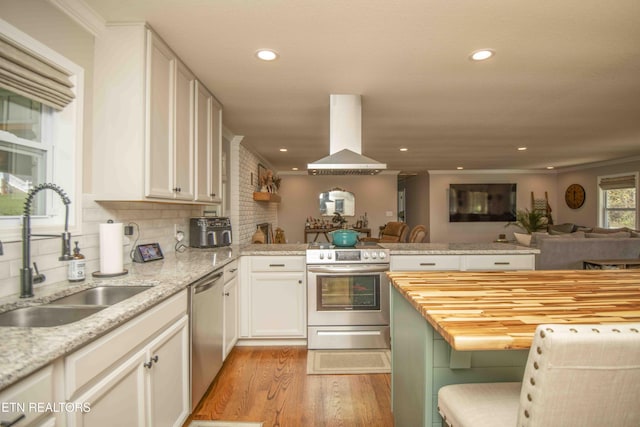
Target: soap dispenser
(76, 273)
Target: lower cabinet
(230, 309)
(463, 262)
(137, 375)
(277, 297)
(21, 397)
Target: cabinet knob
(155, 358)
(213, 194)
(226, 294)
(300, 282)
(148, 364)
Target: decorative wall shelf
(259, 196)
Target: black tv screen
(482, 202)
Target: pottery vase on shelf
(523, 238)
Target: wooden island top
(500, 310)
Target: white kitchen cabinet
(464, 262)
(230, 308)
(424, 262)
(145, 119)
(18, 399)
(136, 375)
(499, 262)
(278, 297)
(208, 145)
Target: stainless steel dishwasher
(206, 332)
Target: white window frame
(601, 198)
(66, 139)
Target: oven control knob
(374, 255)
(329, 255)
(365, 255)
(382, 255)
(321, 255)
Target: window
(40, 134)
(25, 151)
(618, 201)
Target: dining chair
(417, 234)
(576, 375)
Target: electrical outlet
(175, 230)
(389, 213)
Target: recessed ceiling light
(267, 54)
(481, 54)
(294, 169)
(284, 150)
(522, 148)
(550, 167)
(404, 149)
(460, 168)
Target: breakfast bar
(454, 327)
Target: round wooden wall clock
(574, 196)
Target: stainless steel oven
(348, 297)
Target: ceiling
(565, 80)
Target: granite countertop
(275, 249)
(500, 310)
(25, 350)
(457, 249)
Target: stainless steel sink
(47, 315)
(101, 295)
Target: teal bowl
(344, 237)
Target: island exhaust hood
(345, 141)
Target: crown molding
(492, 172)
(82, 14)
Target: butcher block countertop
(500, 310)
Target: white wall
(376, 195)
(441, 230)
(587, 214)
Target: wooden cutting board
(500, 309)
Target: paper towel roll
(111, 248)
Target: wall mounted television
(482, 202)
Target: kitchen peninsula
(453, 327)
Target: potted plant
(529, 221)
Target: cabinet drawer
(499, 262)
(277, 263)
(20, 398)
(230, 271)
(425, 262)
(87, 363)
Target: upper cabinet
(208, 142)
(157, 129)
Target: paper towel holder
(120, 273)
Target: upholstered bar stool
(576, 375)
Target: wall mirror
(339, 201)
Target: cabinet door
(184, 119)
(159, 146)
(278, 305)
(118, 399)
(168, 376)
(230, 308)
(215, 173)
(203, 143)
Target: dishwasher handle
(206, 283)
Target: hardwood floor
(271, 385)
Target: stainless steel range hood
(345, 141)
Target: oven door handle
(346, 269)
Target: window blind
(29, 75)
(614, 182)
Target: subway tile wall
(155, 222)
(251, 212)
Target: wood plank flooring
(271, 385)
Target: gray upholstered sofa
(567, 253)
